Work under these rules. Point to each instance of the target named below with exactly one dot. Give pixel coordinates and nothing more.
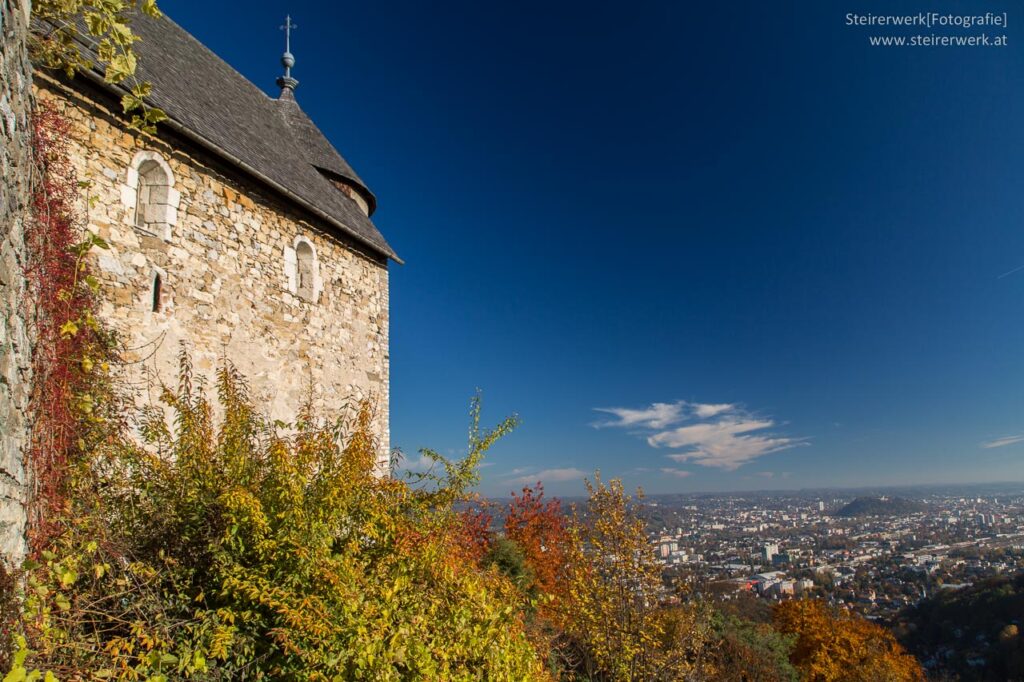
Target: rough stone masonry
(205, 254)
(15, 349)
(217, 273)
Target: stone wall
(15, 351)
(223, 250)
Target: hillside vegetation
(971, 633)
(880, 506)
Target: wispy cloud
(720, 435)
(679, 473)
(419, 464)
(726, 444)
(1010, 272)
(1001, 442)
(706, 411)
(551, 476)
(657, 416)
(661, 415)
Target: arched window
(151, 178)
(302, 269)
(149, 194)
(304, 256)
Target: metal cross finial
(287, 59)
(287, 28)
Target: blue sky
(717, 247)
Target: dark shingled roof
(203, 94)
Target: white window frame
(162, 211)
(292, 274)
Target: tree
(834, 646)
(610, 609)
(472, 532)
(508, 557)
(746, 651)
(538, 528)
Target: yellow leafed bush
(235, 549)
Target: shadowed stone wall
(15, 349)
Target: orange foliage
(472, 533)
(842, 647)
(538, 527)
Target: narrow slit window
(157, 293)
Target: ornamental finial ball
(288, 60)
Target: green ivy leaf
(154, 115)
(120, 66)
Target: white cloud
(720, 435)
(1002, 442)
(419, 464)
(679, 473)
(661, 415)
(706, 411)
(657, 416)
(551, 476)
(710, 432)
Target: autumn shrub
(747, 651)
(235, 549)
(538, 527)
(614, 623)
(837, 646)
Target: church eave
(215, 149)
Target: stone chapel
(237, 229)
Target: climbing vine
(71, 397)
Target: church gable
(269, 138)
(206, 253)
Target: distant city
(869, 551)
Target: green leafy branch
(64, 27)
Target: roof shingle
(203, 94)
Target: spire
(286, 82)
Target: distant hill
(880, 506)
